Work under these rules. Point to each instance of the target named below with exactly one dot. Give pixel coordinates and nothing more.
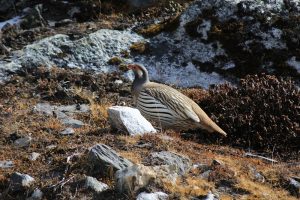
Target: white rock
(94, 184)
(132, 178)
(36, 195)
(68, 131)
(34, 156)
(130, 120)
(152, 196)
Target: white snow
(12, 21)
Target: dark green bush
(261, 113)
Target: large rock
(152, 196)
(133, 178)
(181, 163)
(129, 120)
(104, 158)
(217, 39)
(90, 52)
(19, 181)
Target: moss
(139, 47)
(123, 67)
(115, 61)
(154, 29)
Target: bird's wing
(171, 98)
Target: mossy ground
(20, 95)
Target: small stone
(6, 164)
(132, 178)
(51, 146)
(216, 162)
(152, 196)
(104, 158)
(256, 175)
(182, 163)
(76, 108)
(129, 120)
(36, 195)
(118, 82)
(68, 131)
(74, 123)
(44, 108)
(23, 142)
(294, 187)
(19, 181)
(95, 185)
(34, 156)
(205, 175)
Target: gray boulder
(181, 163)
(90, 52)
(218, 39)
(129, 120)
(104, 158)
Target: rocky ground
(58, 140)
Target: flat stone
(20, 181)
(129, 120)
(44, 108)
(152, 196)
(34, 156)
(68, 131)
(131, 179)
(104, 158)
(76, 108)
(95, 185)
(182, 163)
(74, 123)
(6, 164)
(23, 142)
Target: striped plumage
(167, 107)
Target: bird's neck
(141, 78)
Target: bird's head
(141, 76)
(140, 72)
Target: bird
(167, 107)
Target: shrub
(262, 113)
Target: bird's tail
(213, 127)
